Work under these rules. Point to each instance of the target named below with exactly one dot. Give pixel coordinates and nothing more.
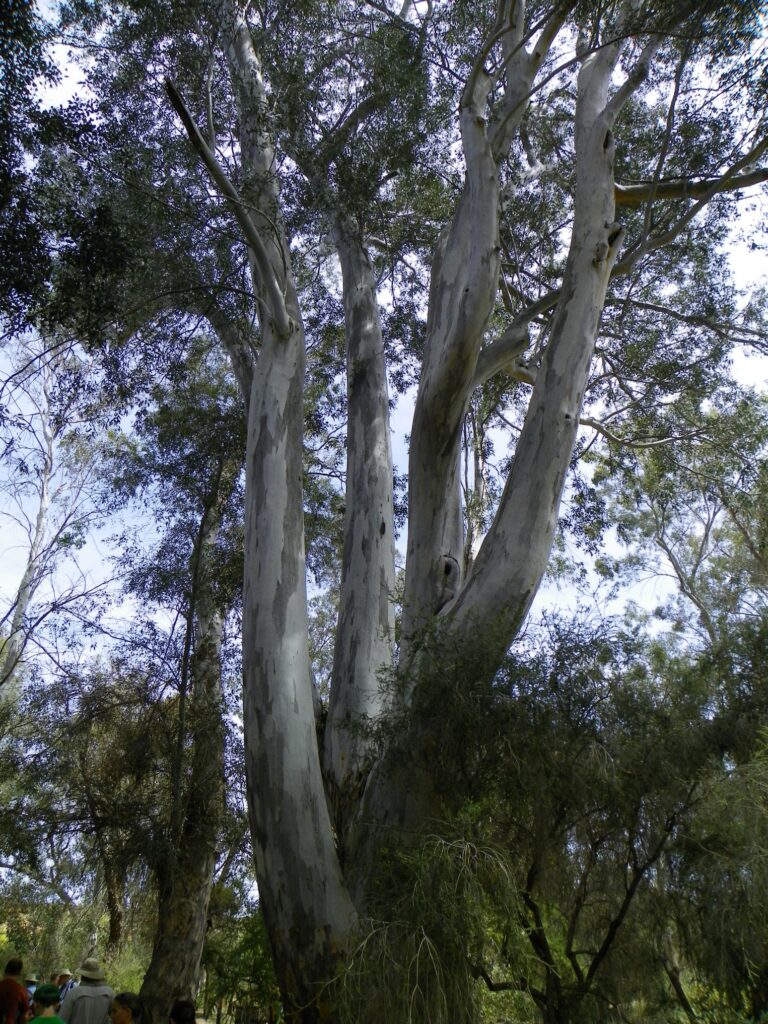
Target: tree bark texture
(366, 616)
(306, 906)
(185, 876)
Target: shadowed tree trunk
(185, 876)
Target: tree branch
(627, 442)
(502, 353)
(632, 196)
(722, 184)
(522, 985)
(727, 331)
(633, 81)
(267, 278)
(637, 876)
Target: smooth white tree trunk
(306, 905)
(365, 631)
(308, 909)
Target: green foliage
(432, 904)
(571, 792)
(24, 64)
(581, 793)
(238, 968)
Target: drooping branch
(267, 279)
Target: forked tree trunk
(308, 911)
(493, 601)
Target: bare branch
(629, 442)
(725, 330)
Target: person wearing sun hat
(65, 981)
(90, 1002)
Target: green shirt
(46, 1020)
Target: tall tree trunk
(306, 906)
(307, 909)
(186, 876)
(366, 614)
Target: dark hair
(47, 995)
(183, 1012)
(14, 967)
(132, 1003)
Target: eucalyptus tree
(49, 489)
(685, 490)
(575, 167)
(183, 464)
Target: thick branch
(267, 279)
(501, 355)
(521, 69)
(722, 184)
(633, 81)
(688, 188)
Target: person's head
(127, 1008)
(46, 997)
(183, 1012)
(14, 968)
(90, 970)
(64, 977)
